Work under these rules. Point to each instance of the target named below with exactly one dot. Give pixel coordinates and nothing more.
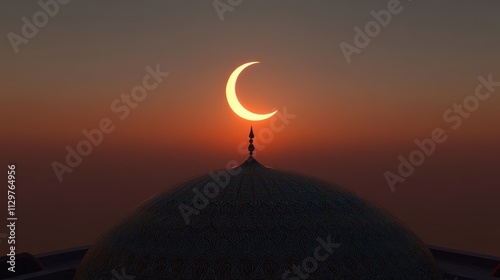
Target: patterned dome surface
(263, 223)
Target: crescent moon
(233, 101)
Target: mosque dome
(256, 222)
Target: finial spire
(251, 147)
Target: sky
(349, 115)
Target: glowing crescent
(233, 101)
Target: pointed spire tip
(251, 148)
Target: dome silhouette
(261, 223)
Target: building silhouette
(255, 222)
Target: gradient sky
(352, 120)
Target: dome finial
(251, 147)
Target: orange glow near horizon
(346, 123)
